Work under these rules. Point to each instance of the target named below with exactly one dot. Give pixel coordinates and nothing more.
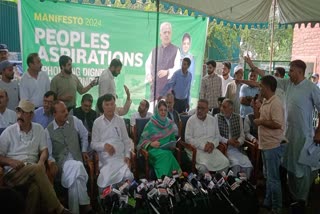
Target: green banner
(93, 35)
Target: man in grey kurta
(301, 97)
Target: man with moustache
(106, 79)
(63, 136)
(23, 152)
(34, 83)
(66, 84)
(9, 84)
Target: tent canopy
(253, 12)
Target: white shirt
(137, 115)
(82, 131)
(113, 168)
(199, 133)
(33, 89)
(7, 118)
(112, 132)
(224, 84)
(106, 83)
(22, 146)
(176, 66)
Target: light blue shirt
(180, 84)
(41, 118)
(300, 100)
(246, 91)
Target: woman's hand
(155, 144)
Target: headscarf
(156, 129)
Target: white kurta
(300, 102)
(74, 176)
(113, 169)
(198, 133)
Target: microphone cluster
(183, 192)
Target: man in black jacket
(85, 113)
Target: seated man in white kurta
(231, 131)
(203, 133)
(63, 135)
(110, 139)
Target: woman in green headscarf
(158, 131)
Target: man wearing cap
(4, 52)
(23, 152)
(315, 79)
(9, 84)
(233, 88)
(67, 141)
(7, 116)
(34, 83)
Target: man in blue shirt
(180, 83)
(247, 93)
(43, 115)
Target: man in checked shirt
(211, 86)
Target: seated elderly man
(7, 116)
(231, 131)
(110, 139)
(23, 152)
(202, 132)
(63, 135)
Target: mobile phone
(96, 80)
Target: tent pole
(272, 35)
(156, 56)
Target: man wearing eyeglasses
(23, 152)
